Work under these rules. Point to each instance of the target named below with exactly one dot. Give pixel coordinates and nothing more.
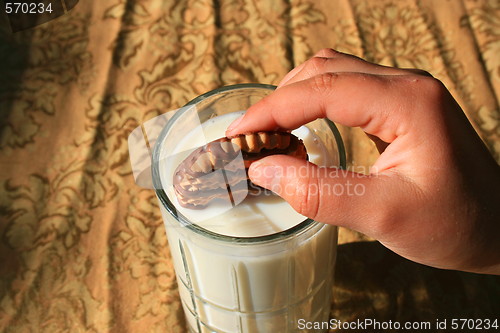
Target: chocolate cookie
(215, 170)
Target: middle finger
(332, 61)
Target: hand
(433, 195)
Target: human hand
(433, 195)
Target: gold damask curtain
(83, 249)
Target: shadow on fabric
(373, 282)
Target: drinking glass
(265, 283)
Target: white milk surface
(265, 287)
(255, 216)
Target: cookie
(215, 170)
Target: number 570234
(27, 8)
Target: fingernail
(234, 124)
(265, 175)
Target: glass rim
(301, 227)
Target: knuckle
(308, 198)
(434, 88)
(430, 89)
(327, 52)
(316, 65)
(323, 83)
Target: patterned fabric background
(83, 249)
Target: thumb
(328, 195)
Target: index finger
(379, 104)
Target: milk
(248, 285)
(256, 216)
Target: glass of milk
(258, 266)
